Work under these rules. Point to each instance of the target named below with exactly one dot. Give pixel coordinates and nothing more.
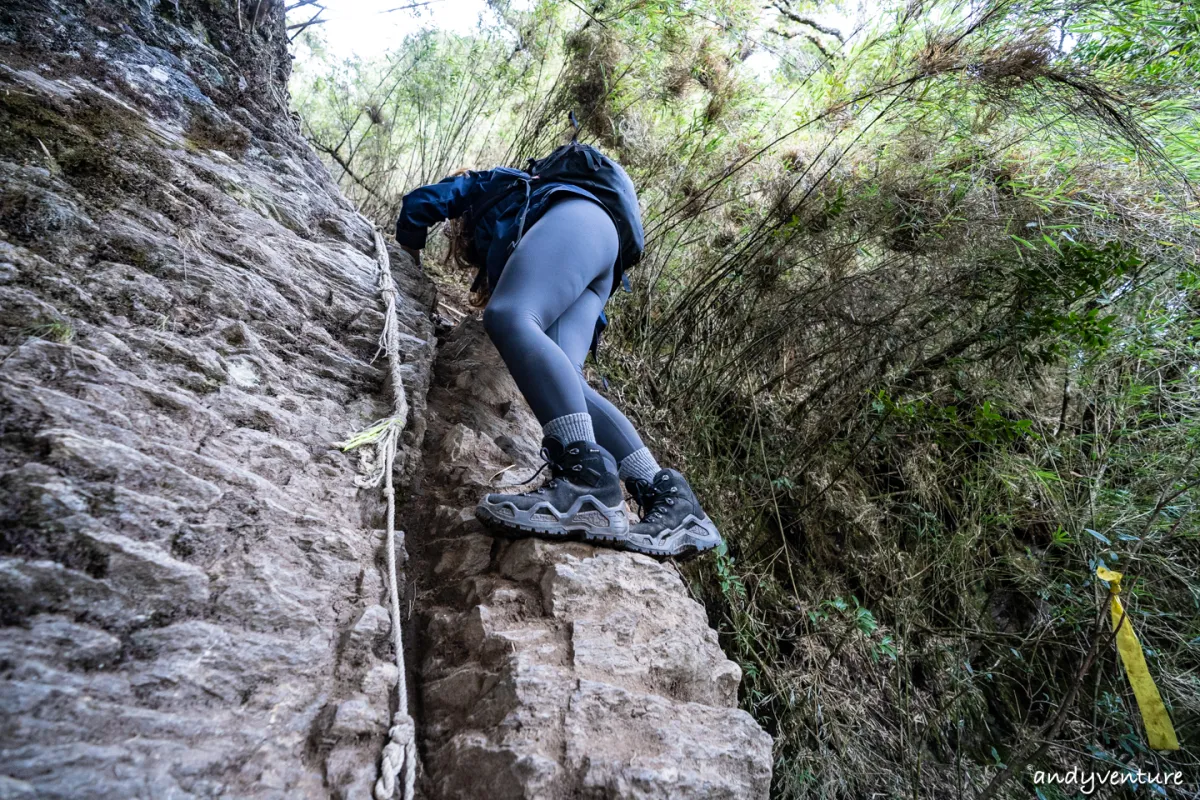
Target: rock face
(550, 670)
(189, 581)
(191, 588)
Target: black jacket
(499, 205)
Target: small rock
(373, 624)
(243, 374)
(379, 682)
(358, 716)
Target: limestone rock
(188, 314)
(627, 745)
(557, 670)
(358, 717)
(379, 682)
(191, 585)
(373, 624)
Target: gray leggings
(543, 312)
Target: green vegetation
(918, 316)
(60, 332)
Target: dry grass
(912, 333)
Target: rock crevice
(191, 586)
(555, 670)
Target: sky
(369, 27)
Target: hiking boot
(582, 499)
(673, 524)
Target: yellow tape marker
(1159, 730)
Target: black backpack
(579, 165)
(586, 167)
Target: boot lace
(557, 470)
(652, 498)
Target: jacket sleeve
(446, 199)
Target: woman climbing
(551, 244)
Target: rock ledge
(556, 670)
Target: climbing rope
(376, 465)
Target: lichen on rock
(192, 588)
(189, 579)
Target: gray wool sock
(640, 465)
(571, 428)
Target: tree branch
(812, 23)
(341, 162)
(303, 26)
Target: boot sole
(601, 525)
(693, 537)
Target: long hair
(458, 251)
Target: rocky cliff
(189, 580)
(190, 584)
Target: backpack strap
(594, 349)
(592, 157)
(480, 278)
(528, 181)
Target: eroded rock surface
(191, 587)
(190, 584)
(551, 670)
